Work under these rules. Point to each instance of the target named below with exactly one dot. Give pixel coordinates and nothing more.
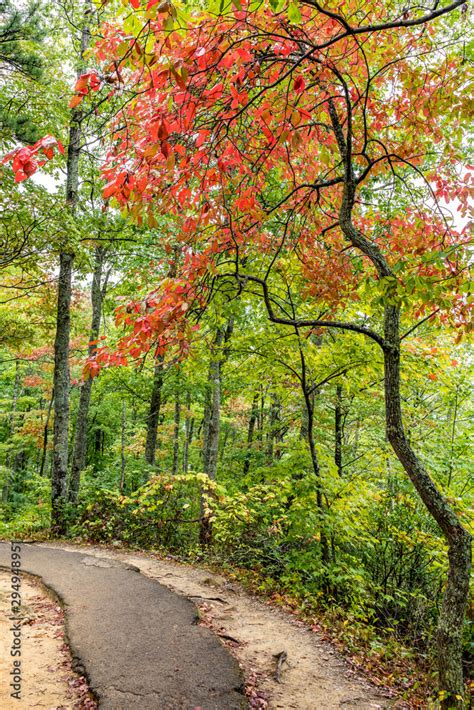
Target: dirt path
(313, 676)
(47, 679)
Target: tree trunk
(273, 428)
(188, 432)
(213, 408)
(61, 343)
(317, 473)
(309, 397)
(122, 447)
(177, 417)
(338, 430)
(61, 395)
(153, 417)
(154, 412)
(451, 618)
(212, 418)
(11, 428)
(16, 392)
(261, 415)
(45, 436)
(211, 429)
(304, 422)
(80, 438)
(252, 421)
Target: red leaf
(299, 85)
(109, 189)
(202, 136)
(163, 131)
(30, 167)
(94, 82)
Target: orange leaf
(75, 101)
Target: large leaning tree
(330, 135)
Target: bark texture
(451, 618)
(212, 415)
(44, 449)
(153, 417)
(154, 412)
(80, 438)
(11, 428)
(213, 408)
(123, 461)
(251, 428)
(338, 430)
(308, 391)
(177, 419)
(188, 432)
(309, 401)
(61, 395)
(61, 343)
(274, 436)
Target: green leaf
(294, 14)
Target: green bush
(162, 513)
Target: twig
(209, 599)
(229, 638)
(280, 660)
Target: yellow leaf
(325, 155)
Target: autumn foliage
(231, 133)
(26, 161)
(228, 129)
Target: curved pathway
(314, 676)
(136, 641)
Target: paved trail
(314, 676)
(136, 640)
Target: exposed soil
(312, 674)
(47, 678)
